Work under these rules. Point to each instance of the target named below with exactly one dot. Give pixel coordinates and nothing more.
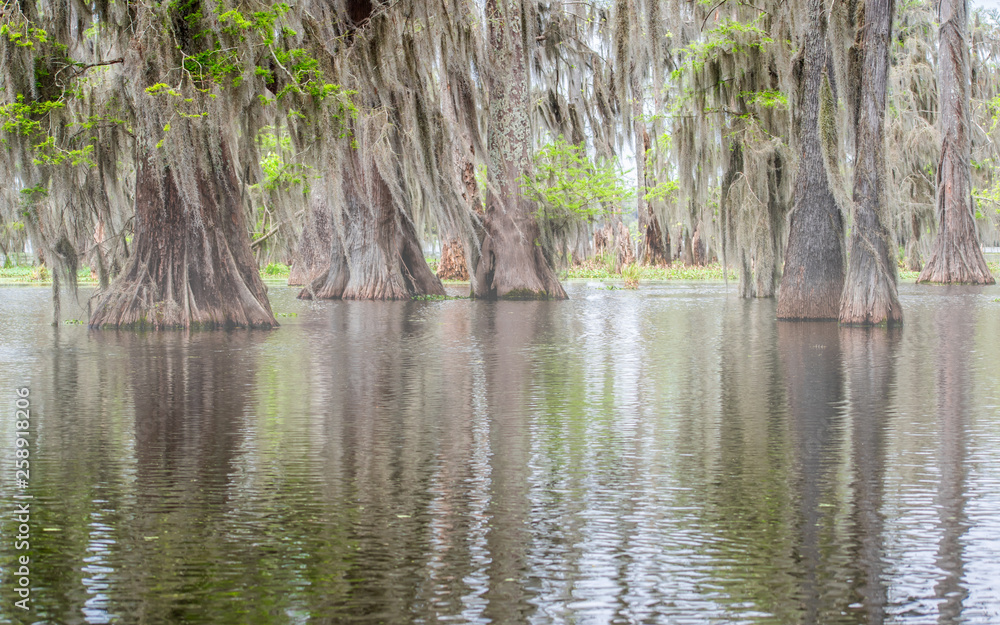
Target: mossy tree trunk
(191, 263)
(813, 277)
(312, 255)
(375, 253)
(869, 295)
(655, 249)
(956, 256)
(511, 264)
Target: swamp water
(666, 455)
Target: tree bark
(375, 254)
(312, 255)
(511, 265)
(869, 296)
(814, 263)
(191, 263)
(956, 256)
(452, 265)
(688, 247)
(913, 260)
(699, 251)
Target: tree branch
(82, 68)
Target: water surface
(666, 455)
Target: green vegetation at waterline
(599, 268)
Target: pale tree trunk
(870, 296)
(374, 253)
(191, 263)
(814, 262)
(913, 261)
(312, 255)
(688, 246)
(956, 256)
(511, 265)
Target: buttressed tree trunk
(956, 256)
(511, 265)
(870, 287)
(814, 262)
(375, 253)
(191, 263)
(312, 255)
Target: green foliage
(430, 297)
(603, 268)
(30, 194)
(664, 190)
(569, 187)
(765, 99)
(729, 37)
(989, 196)
(24, 117)
(630, 273)
(287, 68)
(281, 171)
(30, 119)
(24, 36)
(275, 270)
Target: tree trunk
(312, 256)
(604, 239)
(699, 251)
(375, 254)
(651, 247)
(688, 248)
(956, 256)
(623, 247)
(869, 295)
(813, 277)
(460, 243)
(452, 265)
(511, 265)
(191, 263)
(913, 260)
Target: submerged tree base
(375, 253)
(523, 274)
(957, 266)
(191, 266)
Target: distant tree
(569, 188)
(956, 256)
(730, 113)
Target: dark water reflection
(671, 455)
